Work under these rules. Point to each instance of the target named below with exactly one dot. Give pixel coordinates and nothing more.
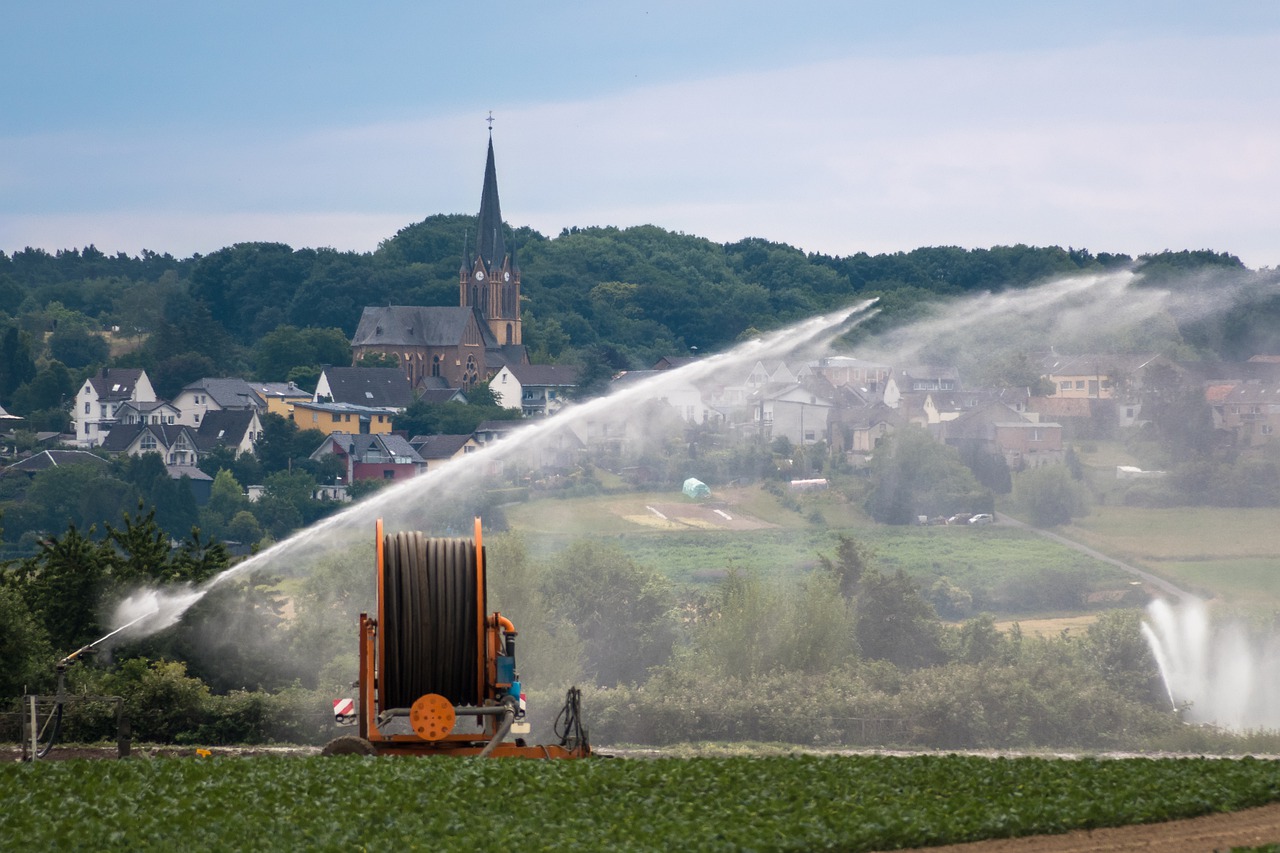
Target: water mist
(1050, 312)
(1214, 673)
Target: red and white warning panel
(344, 712)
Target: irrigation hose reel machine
(437, 671)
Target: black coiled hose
(429, 620)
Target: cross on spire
(490, 121)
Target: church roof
(416, 326)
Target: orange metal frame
(373, 653)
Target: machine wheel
(348, 745)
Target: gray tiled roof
(383, 387)
(117, 383)
(225, 427)
(122, 436)
(230, 393)
(56, 458)
(439, 446)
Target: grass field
(852, 803)
(776, 541)
(1232, 554)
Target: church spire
(490, 245)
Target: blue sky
(836, 127)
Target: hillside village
(840, 406)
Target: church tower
(489, 280)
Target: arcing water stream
(1087, 307)
(415, 504)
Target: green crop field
(773, 803)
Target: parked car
(982, 518)
(959, 518)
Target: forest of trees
(619, 297)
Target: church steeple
(489, 281)
(489, 243)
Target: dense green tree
(52, 388)
(851, 562)
(226, 499)
(248, 287)
(913, 475)
(283, 446)
(623, 612)
(1049, 495)
(68, 494)
(287, 347)
(17, 367)
(422, 418)
(62, 586)
(24, 646)
(894, 622)
(77, 347)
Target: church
(445, 347)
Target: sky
(836, 127)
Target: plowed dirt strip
(1248, 828)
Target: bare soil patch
(1247, 828)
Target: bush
(1049, 495)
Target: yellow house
(280, 396)
(330, 418)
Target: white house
(215, 395)
(238, 430)
(796, 412)
(99, 399)
(177, 444)
(157, 412)
(536, 389)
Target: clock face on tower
(506, 276)
(480, 276)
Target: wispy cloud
(1123, 147)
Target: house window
(86, 429)
(86, 408)
(388, 474)
(1266, 429)
(435, 365)
(1035, 435)
(1064, 386)
(1079, 384)
(148, 442)
(1128, 413)
(808, 435)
